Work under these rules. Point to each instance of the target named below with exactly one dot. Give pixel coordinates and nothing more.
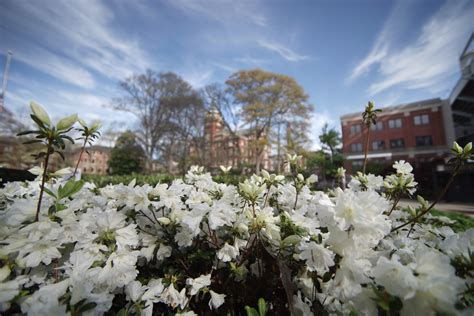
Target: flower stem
(43, 180)
(395, 202)
(80, 155)
(440, 196)
(296, 199)
(266, 196)
(366, 148)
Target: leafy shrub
(198, 246)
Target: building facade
(96, 162)
(415, 132)
(224, 148)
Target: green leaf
(122, 312)
(28, 132)
(60, 154)
(60, 207)
(66, 122)
(87, 306)
(68, 138)
(262, 307)
(251, 311)
(50, 192)
(33, 141)
(291, 240)
(38, 122)
(70, 188)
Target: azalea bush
(267, 245)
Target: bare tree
(159, 101)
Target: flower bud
(40, 113)
(4, 272)
(468, 148)
(66, 122)
(164, 220)
(457, 148)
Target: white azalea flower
(317, 257)
(134, 291)
(403, 167)
(227, 253)
(174, 298)
(216, 300)
(396, 278)
(198, 283)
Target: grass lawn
(463, 222)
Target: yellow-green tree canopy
(268, 99)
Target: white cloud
(69, 40)
(281, 50)
(251, 60)
(318, 120)
(223, 11)
(225, 67)
(198, 78)
(429, 61)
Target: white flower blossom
(216, 300)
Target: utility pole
(5, 79)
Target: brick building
(95, 163)
(223, 148)
(418, 132)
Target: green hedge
(103, 180)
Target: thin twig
(397, 199)
(43, 180)
(440, 196)
(80, 156)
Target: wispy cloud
(70, 40)
(223, 11)
(283, 51)
(198, 78)
(225, 67)
(251, 60)
(318, 120)
(427, 62)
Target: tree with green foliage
(369, 118)
(330, 139)
(127, 156)
(319, 163)
(266, 99)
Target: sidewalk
(465, 208)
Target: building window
(378, 145)
(356, 129)
(395, 123)
(356, 147)
(421, 119)
(397, 143)
(424, 141)
(377, 127)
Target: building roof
(389, 110)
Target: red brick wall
(408, 131)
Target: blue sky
(69, 55)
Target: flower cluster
(197, 246)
